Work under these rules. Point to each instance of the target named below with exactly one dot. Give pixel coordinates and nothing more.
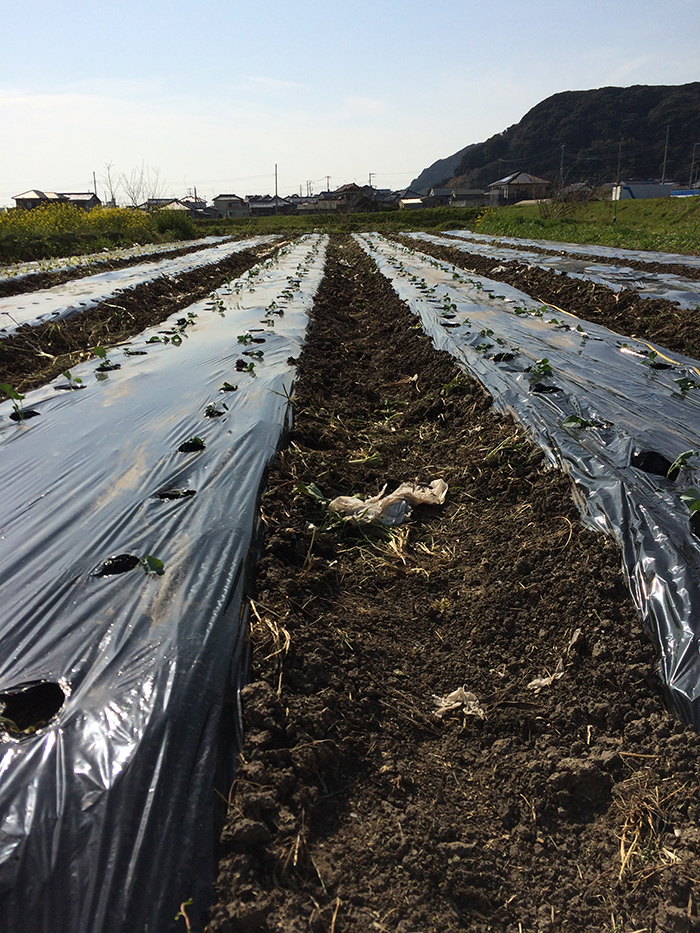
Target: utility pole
(619, 160)
(561, 167)
(692, 167)
(328, 182)
(94, 182)
(371, 176)
(663, 173)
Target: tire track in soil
(355, 808)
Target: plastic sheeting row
(127, 522)
(621, 416)
(70, 298)
(686, 292)
(21, 270)
(590, 249)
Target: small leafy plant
(691, 499)
(73, 381)
(151, 564)
(106, 365)
(541, 368)
(17, 399)
(680, 461)
(575, 421)
(685, 383)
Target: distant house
(438, 197)
(267, 206)
(520, 186)
(469, 197)
(643, 189)
(86, 200)
(230, 205)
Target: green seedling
(151, 564)
(685, 383)
(245, 338)
(482, 347)
(313, 492)
(228, 387)
(691, 499)
(540, 368)
(17, 399)
(211, 411)
(680, 461)
(450, 387)
(258, 354)
(243, 367)
(106, 363)
(73, 381)
(574, 421)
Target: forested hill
(589, 125)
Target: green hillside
(586, 131)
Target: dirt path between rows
(570, 806)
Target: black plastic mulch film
(128, 517)
(61, 301)
(621, 416)
(617, 275)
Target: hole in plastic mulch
(167, 494)
(121, 563)
(28, 707)
(192, 445)
(653, 462)
(25, 416)
(543, 389)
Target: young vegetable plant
(685, 383)
(17, 399)
(691, 499)
(151, 564)
(106, 365)
(540, 368)
(680, 461)
(73, 381)
(574, 421)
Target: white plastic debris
(459, 700)
(547, 681)
(392, 509)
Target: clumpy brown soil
(356, 808)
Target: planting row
(592, 249)
(62, 301)
(125, 532)
(621, 416)
(23, 270)
(686, 292)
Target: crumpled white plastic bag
(392, 509)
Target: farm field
(573, 803)
(558, 792)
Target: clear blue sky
(212, 94)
